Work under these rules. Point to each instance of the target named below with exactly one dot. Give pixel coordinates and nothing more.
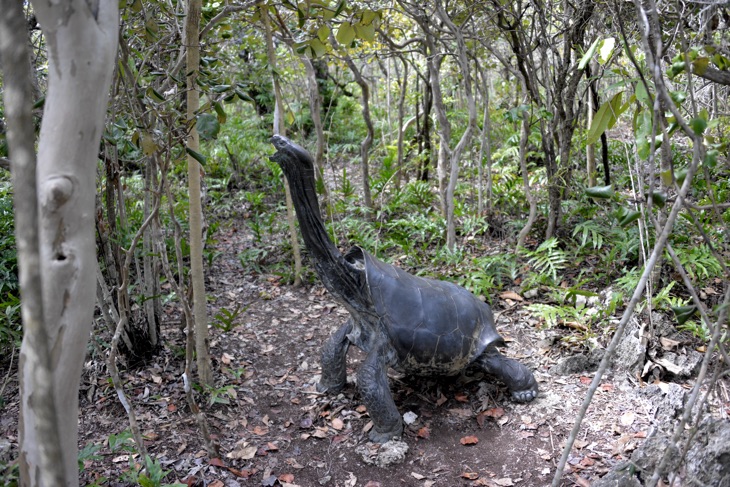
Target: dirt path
(274, 429)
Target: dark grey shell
(435, 327)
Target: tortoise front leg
(334, 360)
(518, 378)
(372, 382)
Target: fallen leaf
(286, 477)
(269, 481)
(424, 433)
(470, 475)
(305, 423)
(337, 424)
(417, 476)
(216, 483)
(463, 412)
(504, 482)
(216, 462)
(461, 397)
(372, 483)
(469, 440)
(171, 408)
(511, 295)
(245, 453)
(628, 418)
(361, 409)
(260, 430)
(585, 380)
(227, 358)
(442, 399)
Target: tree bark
(21, 141)
(200, 309)
(279, 128)
(368, 141)
(82, 40)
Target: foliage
(548, 259)
(10, 326)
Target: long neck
(304, 197)
(338, 276)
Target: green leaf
(604, 54)
(659, 198)
(196, 155)
(699, 65)
(680, 176)
(698, 125)
(683, 313)
(626, 217)
(589, 54)
(220, 111)
(602, 192)
(711, 158)
(642, 95)
(345, 34)
(605, 118)
(365, 32)
(318, 49)
(154, 95)
(323, 33)
(208, 126)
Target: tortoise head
(290, 155)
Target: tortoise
(416, 325)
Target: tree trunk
(401, 128)
(368, 141)
(315, 108)
(82, 38)
(200, 309)
(524, 134)
(280, 129)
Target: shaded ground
(274, 429)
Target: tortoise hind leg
(372, 382)
(517, 377)
(334, 364)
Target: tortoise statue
(416, 325)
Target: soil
(273, 428)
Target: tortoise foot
(332, 389)
(524, 396)
(384, 437)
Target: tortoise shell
(435, 327)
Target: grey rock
(578, 363)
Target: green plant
(89, 453)
(151, 475)
(548, 259)
(225, 319)
(552, 315)
(220, 395)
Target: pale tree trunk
(280, 129)
(368, 141)
(465, 140)
(485, 150)
(200, 309)
(401, 126)
(525, 133)
(82, 39)
(315, 108)
(21, 141)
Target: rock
(630, 353)
(622, 475)
(667, 400)
(707, 461)
(578, 363)
(683, 365)
(389, 453)
(410, 417)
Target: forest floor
(273, 428)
